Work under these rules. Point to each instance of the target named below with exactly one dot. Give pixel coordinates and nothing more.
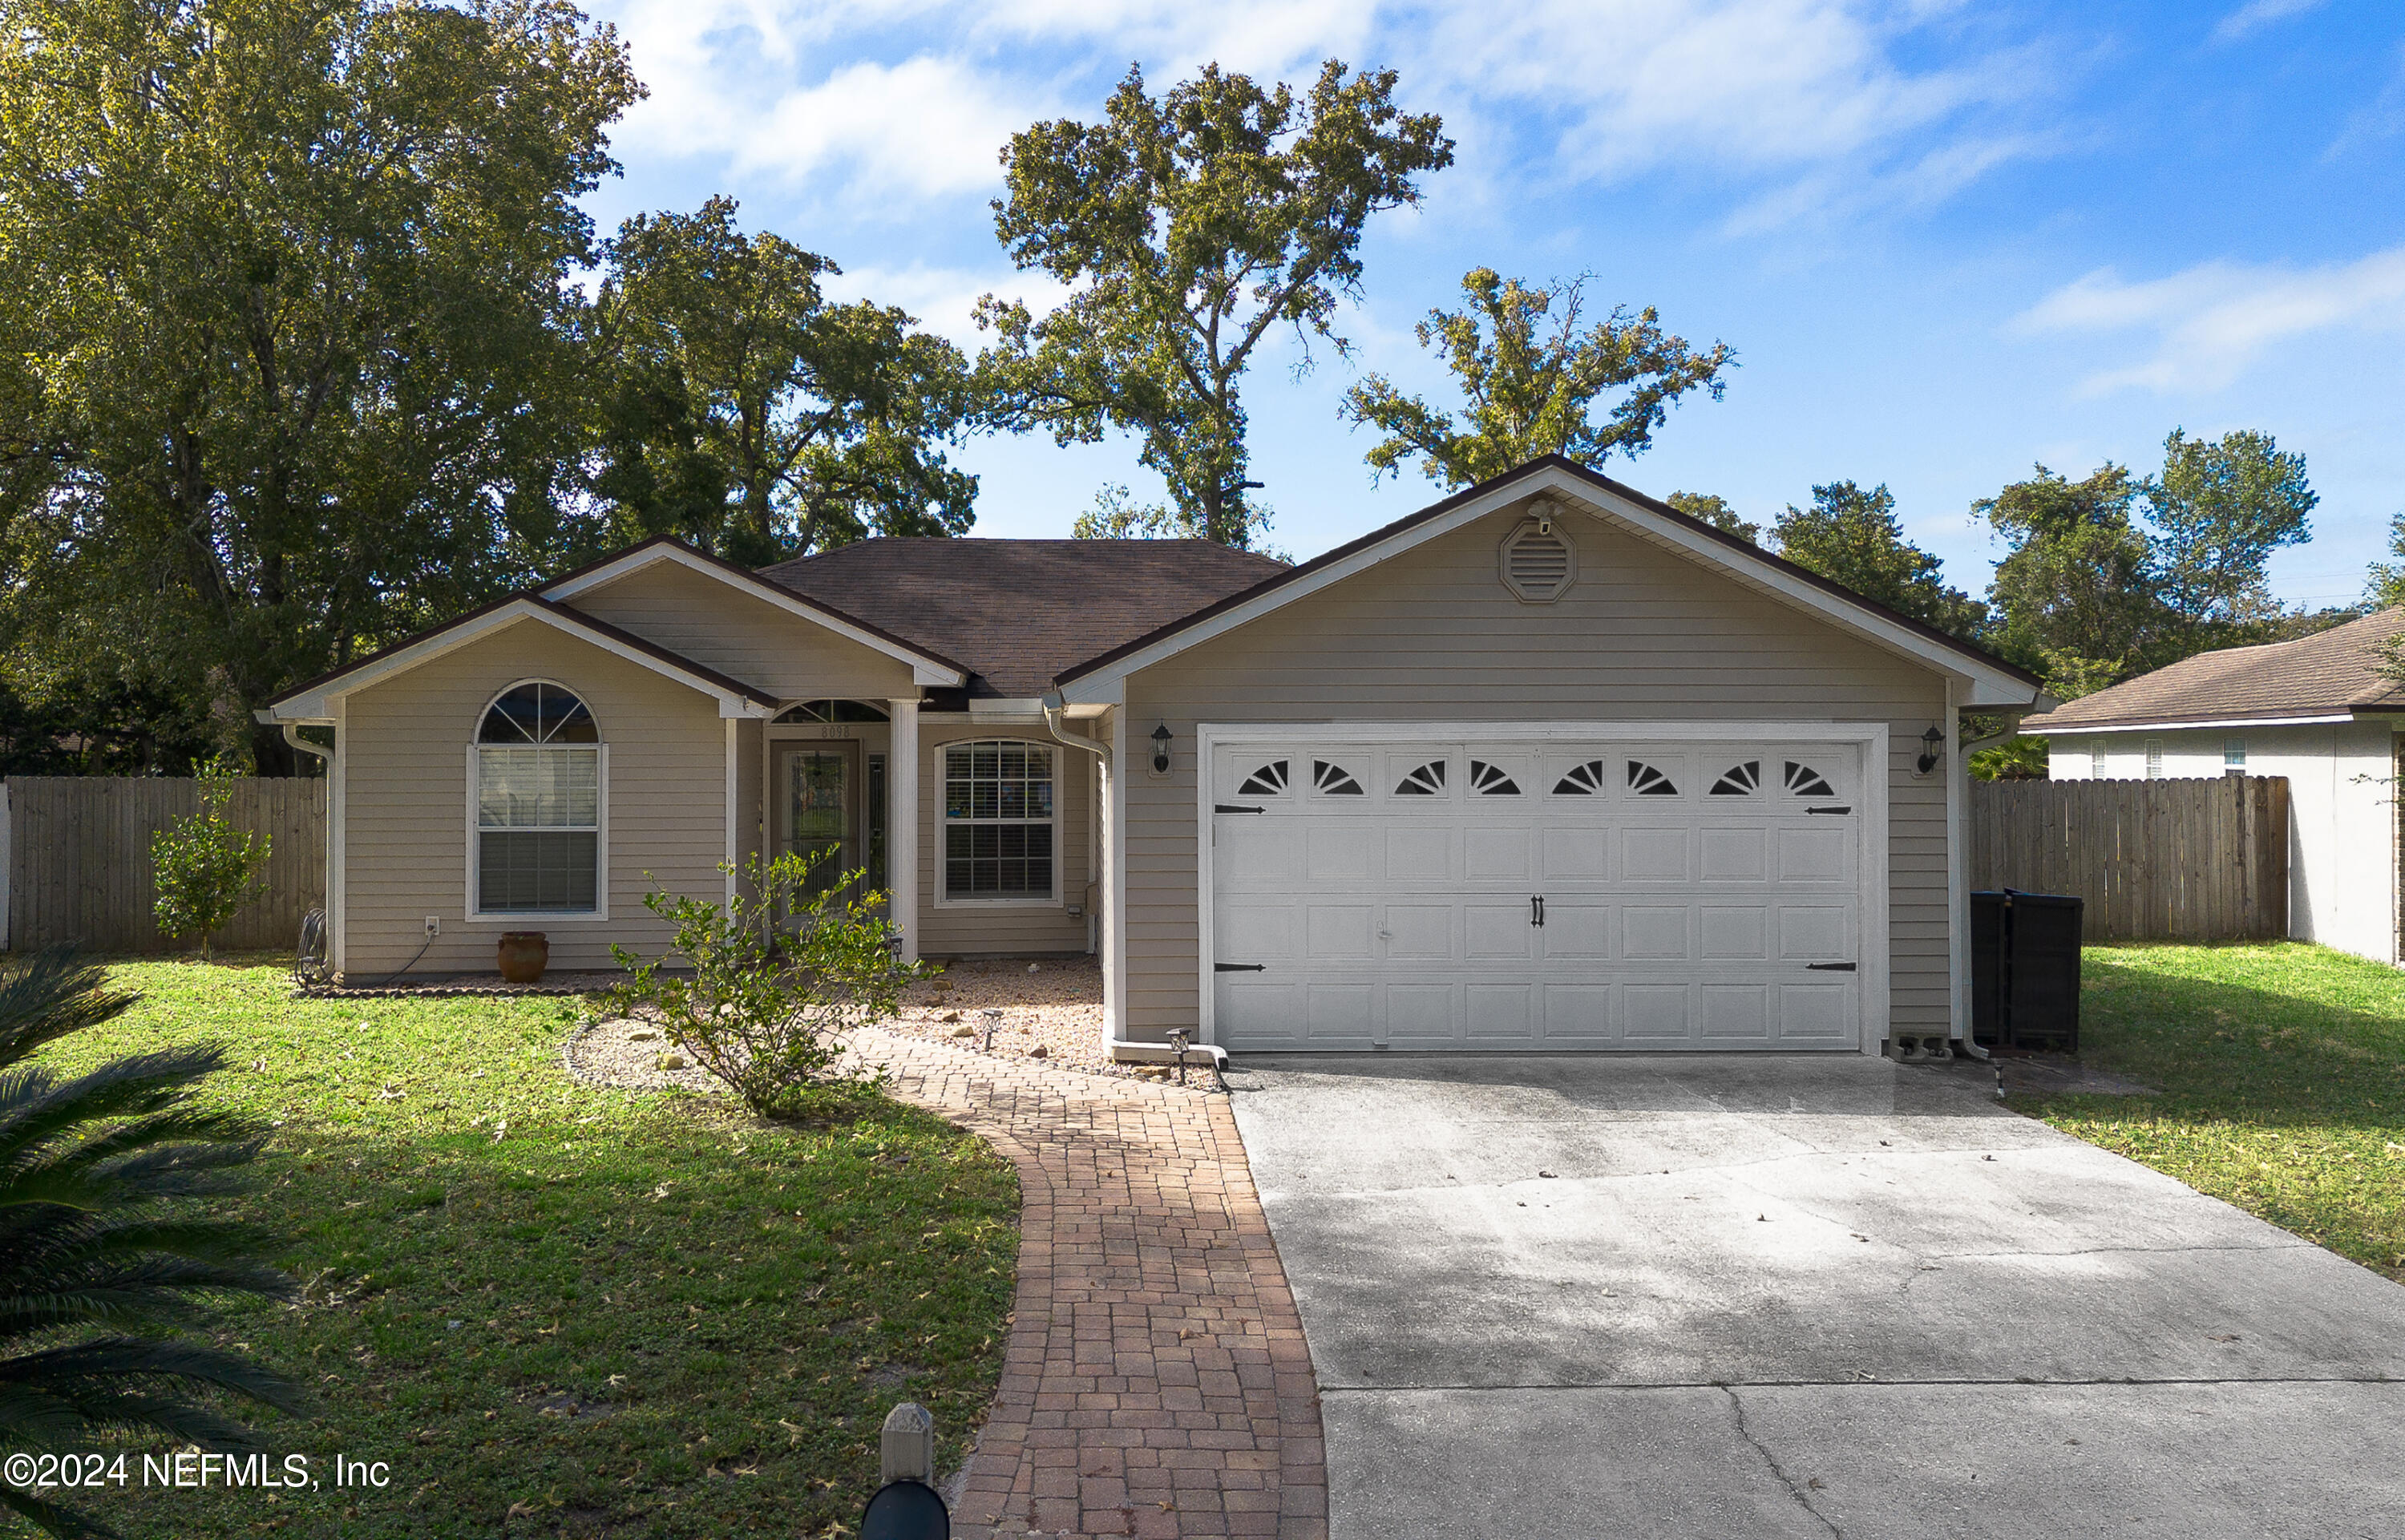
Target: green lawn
(2283, 1074)
(553, 1311)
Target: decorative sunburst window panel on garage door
(1268, 780)
(1426, 781)
(1740, 780)
(1645, 781)
(1490, 780)
(1334, 780)
(1582, 780)
(1804, 781)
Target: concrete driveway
(1551, 1298)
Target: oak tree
(286, 301)
(750, 412)
(1189, 228)
(1533, 383)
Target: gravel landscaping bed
(1051, 1010)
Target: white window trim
(2156, 766)
(525, 917)
(942, 897)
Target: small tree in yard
(766, 978)
(205, 868)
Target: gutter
(1055, 717)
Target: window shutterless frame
(473, 909)
(1032, 837)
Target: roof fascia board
(317, 705)
(1988, 687)
(925, 669)
(2030, 730)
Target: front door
(819, 796)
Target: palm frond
(63, 1522)
(50, 995)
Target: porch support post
(902, 823)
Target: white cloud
(1803, 100)
(2254, 17)
(2211, 322)
(943, 299)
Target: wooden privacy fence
(78, 863)
(2155, 860)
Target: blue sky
(1946, 240)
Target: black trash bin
(2025, 971)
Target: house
(1546, 765)
(2316, 710)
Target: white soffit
(1987, 685)
(923, 670)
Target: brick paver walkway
(1156, 1380)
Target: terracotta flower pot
(523, 956)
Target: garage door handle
(1830, 968)
(1231, 807)
(1240, 968)
(1807, 809)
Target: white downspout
(1117, 1047)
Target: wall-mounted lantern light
(1933, 748)
(1160, 750)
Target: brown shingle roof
(2325, 674)
(1018, 612)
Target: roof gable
(1990, 680)
(928, 667)
(314, 700)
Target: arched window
(538, 786)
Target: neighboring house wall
(1005, 929)
(2343, 812)
(405, 759)
(716, 623)
(1433, 635)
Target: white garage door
(1605, 894)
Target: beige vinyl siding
(406, 836)
(1433, 635)
(985, 929)
(716, 623)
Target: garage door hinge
(1231, 807)
(1240, 968)
(1828, 810)
(1830, 968)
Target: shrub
(205, 868)
(767, 978)
(98, 1229)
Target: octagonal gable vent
(1539, 563)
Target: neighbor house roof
(2330, 674)
(1015, 612)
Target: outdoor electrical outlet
(435, 924)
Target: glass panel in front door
(818, 812)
